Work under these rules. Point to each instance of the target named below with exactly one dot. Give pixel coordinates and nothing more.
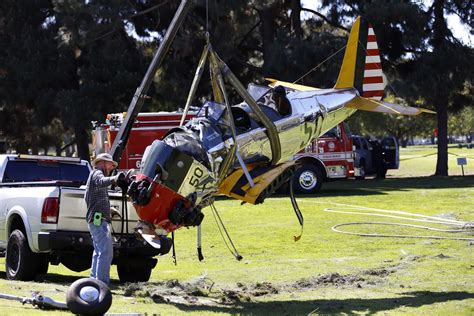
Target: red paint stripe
(373, 79)
(371, 66)
(373, 52)
(375, 93)
(371, 38)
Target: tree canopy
(66, 63)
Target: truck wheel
(43, 263)
(20, 262)
(308, 179)
(361, 175)
(133, 273)
(382, 173)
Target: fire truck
(329, 157)
(146, 128)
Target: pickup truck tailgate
(72, 211)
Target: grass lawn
(323, 273)
(421, 161)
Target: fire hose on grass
(462, 226)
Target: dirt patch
(203, 291)
(381, 272)
(442, 256)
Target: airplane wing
(298, 87)
(372, 105)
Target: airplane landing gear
(88, 297)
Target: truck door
(390, 152)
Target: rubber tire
(20, 260)
(43, 263)
(382, 174)
(132, 273)
(315, 172)
(79, 306)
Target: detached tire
(20, 263)
(308, 179)
(88, 297)
(133, 273)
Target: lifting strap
(296, 209)
(218, 70)
(197, 78)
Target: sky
(459, 30)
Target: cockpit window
(257, 92)
(213, 110)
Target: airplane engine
(169, 187)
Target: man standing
(99, 215)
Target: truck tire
(382, 173)
(43, 263)
(308, 179)
(132, 273)
(361, 175)
(20, 262)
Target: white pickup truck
(42, 220)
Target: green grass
(421, 161)
(324, 272)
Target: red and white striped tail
(374, 80)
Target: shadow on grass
(337, 306)
(353, 187)
(62, 279)
(57, 278)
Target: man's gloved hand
(121, 181)
(119, 176)
(115, 212)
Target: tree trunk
(441, 100)
(82, 141)
(442, 160)
(295, 17)
(268, 33)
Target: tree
(29, 72)
(102, 60)
(422, 57)
(461, 123)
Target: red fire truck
(146, 128)
(329, 157)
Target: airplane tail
(361, 67)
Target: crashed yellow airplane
(245, 150)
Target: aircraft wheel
(308, 179)
(88, 296)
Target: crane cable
(464, 227)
